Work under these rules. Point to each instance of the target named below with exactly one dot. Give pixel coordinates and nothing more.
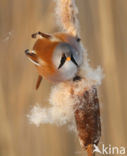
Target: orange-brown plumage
(56, 56)
(44, 49)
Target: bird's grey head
(63, 53)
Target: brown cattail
(87, 116)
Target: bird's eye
(62, 61)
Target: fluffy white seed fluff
(66, 12)
(61, 110)
(62, 102)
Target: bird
(57, 56)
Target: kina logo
(120, 150)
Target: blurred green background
(104, 34)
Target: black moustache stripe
(73, 60)
(63, 59)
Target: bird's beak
(68, 59)
(72, 59)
